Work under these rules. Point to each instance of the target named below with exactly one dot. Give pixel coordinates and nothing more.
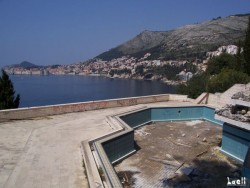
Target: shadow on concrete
(127, 178)
(204, 173)
(137, 147)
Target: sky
(46, 32)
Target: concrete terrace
(45, 152)
(41, 146)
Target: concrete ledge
(213, 99)
(238, 124)
(176, 97)
(112, 179)
(143, 124)
(124, 157)
(33, 112)
(93, 176)
(91, 166)
(240, 102)
(230, 155)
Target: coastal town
(127, 67)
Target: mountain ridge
(189, 41)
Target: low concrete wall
(183, 98)
(27, 113)
(216, 100)
(213, 99)
(221, 99)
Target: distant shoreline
(169, 82)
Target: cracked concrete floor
(45, 152)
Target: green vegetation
(179, 53)
(195, 86)
(139, 70)
(246, 51)
(216, 64)
(165, 71)
(226, 79)
(119, 72)
(222, 72)
(170, 71)
(54, 66)
(100, 170)
(28, 65)
(111, 54)
(7, 93)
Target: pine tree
(7, 93)
(246, 50)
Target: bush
(195, 86)
(216, 64)
(226, 79)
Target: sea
(61, 89)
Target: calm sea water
(49, 90)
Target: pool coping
(90, 163)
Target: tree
(111, 72)
(7, 93)
(195, 86)
(246, 50)
(139, 70)
(216, 64)
(222, 72)
(239, 57)
(226, 79)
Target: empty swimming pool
(114, 148)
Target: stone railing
(33, 112)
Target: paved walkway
(45, 152)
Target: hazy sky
(69, 31)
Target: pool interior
(115, 148)
(191, 146)
(121, 145)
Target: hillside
(24, 64)
(190, 41)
